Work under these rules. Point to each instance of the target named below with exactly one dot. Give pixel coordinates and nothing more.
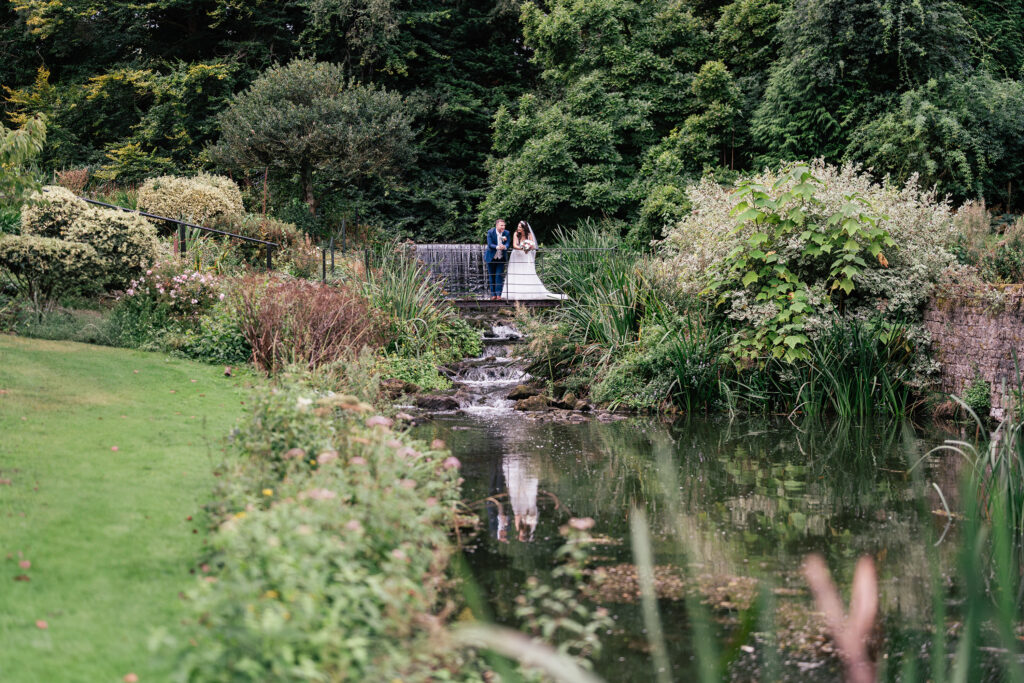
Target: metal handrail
(271, 246)
(244, 238)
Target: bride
(521, 281)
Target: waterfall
(459, 268)
(484, 382)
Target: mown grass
(106, 532)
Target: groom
(494, 257)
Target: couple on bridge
(519, 281)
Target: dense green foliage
(18, 147)
(306, 120)
(552, 111)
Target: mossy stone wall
(978, 333)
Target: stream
(732, 506)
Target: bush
(998, 258)
(126, 242)
(832, 245)
(160, 300)
(44, 268)
(421, 371)
(330, 554)
(284, 234)
(978, 397)
(10, 220)
(681, 363)
(298, 322)
(205, 199)
(51, 212)
(218, 338)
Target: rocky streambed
(497, 382)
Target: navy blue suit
(495, 265)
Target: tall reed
(399, 285)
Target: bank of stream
(754, 497)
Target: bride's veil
(532, 238)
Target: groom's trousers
(496, 276)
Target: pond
(732, 506)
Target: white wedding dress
(521, 280)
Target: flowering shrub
(185, 295)
(830, 244)
(330, 563)
(162, 299)
(204, 199)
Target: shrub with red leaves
(302, 322)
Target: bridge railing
(463, 274)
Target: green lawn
(105, 530)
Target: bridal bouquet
(528, 245)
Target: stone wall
(976, 333)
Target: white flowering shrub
(204, 199)
(51, 212)
(897, 285)
(126, 242)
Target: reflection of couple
(517, 475)
(517, 281)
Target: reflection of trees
(754, 497)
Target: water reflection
(746, 501)
(514, 489)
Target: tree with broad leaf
(307, 120)
(18, 147)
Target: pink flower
(25, 564)
(399, 555)
(41, 624)
(379, 421)
(581, 523)
(326, 457)
(221, 297)
(195, 301)
(437, 445)
(409, 484)
(451, 462)
(357, 460)
(319, 494)
(353, 525)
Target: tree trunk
(307, 187)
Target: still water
(749, 500)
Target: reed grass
(401, 286)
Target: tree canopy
(552, 110)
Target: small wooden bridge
(463, 275)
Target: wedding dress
(521, 280)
